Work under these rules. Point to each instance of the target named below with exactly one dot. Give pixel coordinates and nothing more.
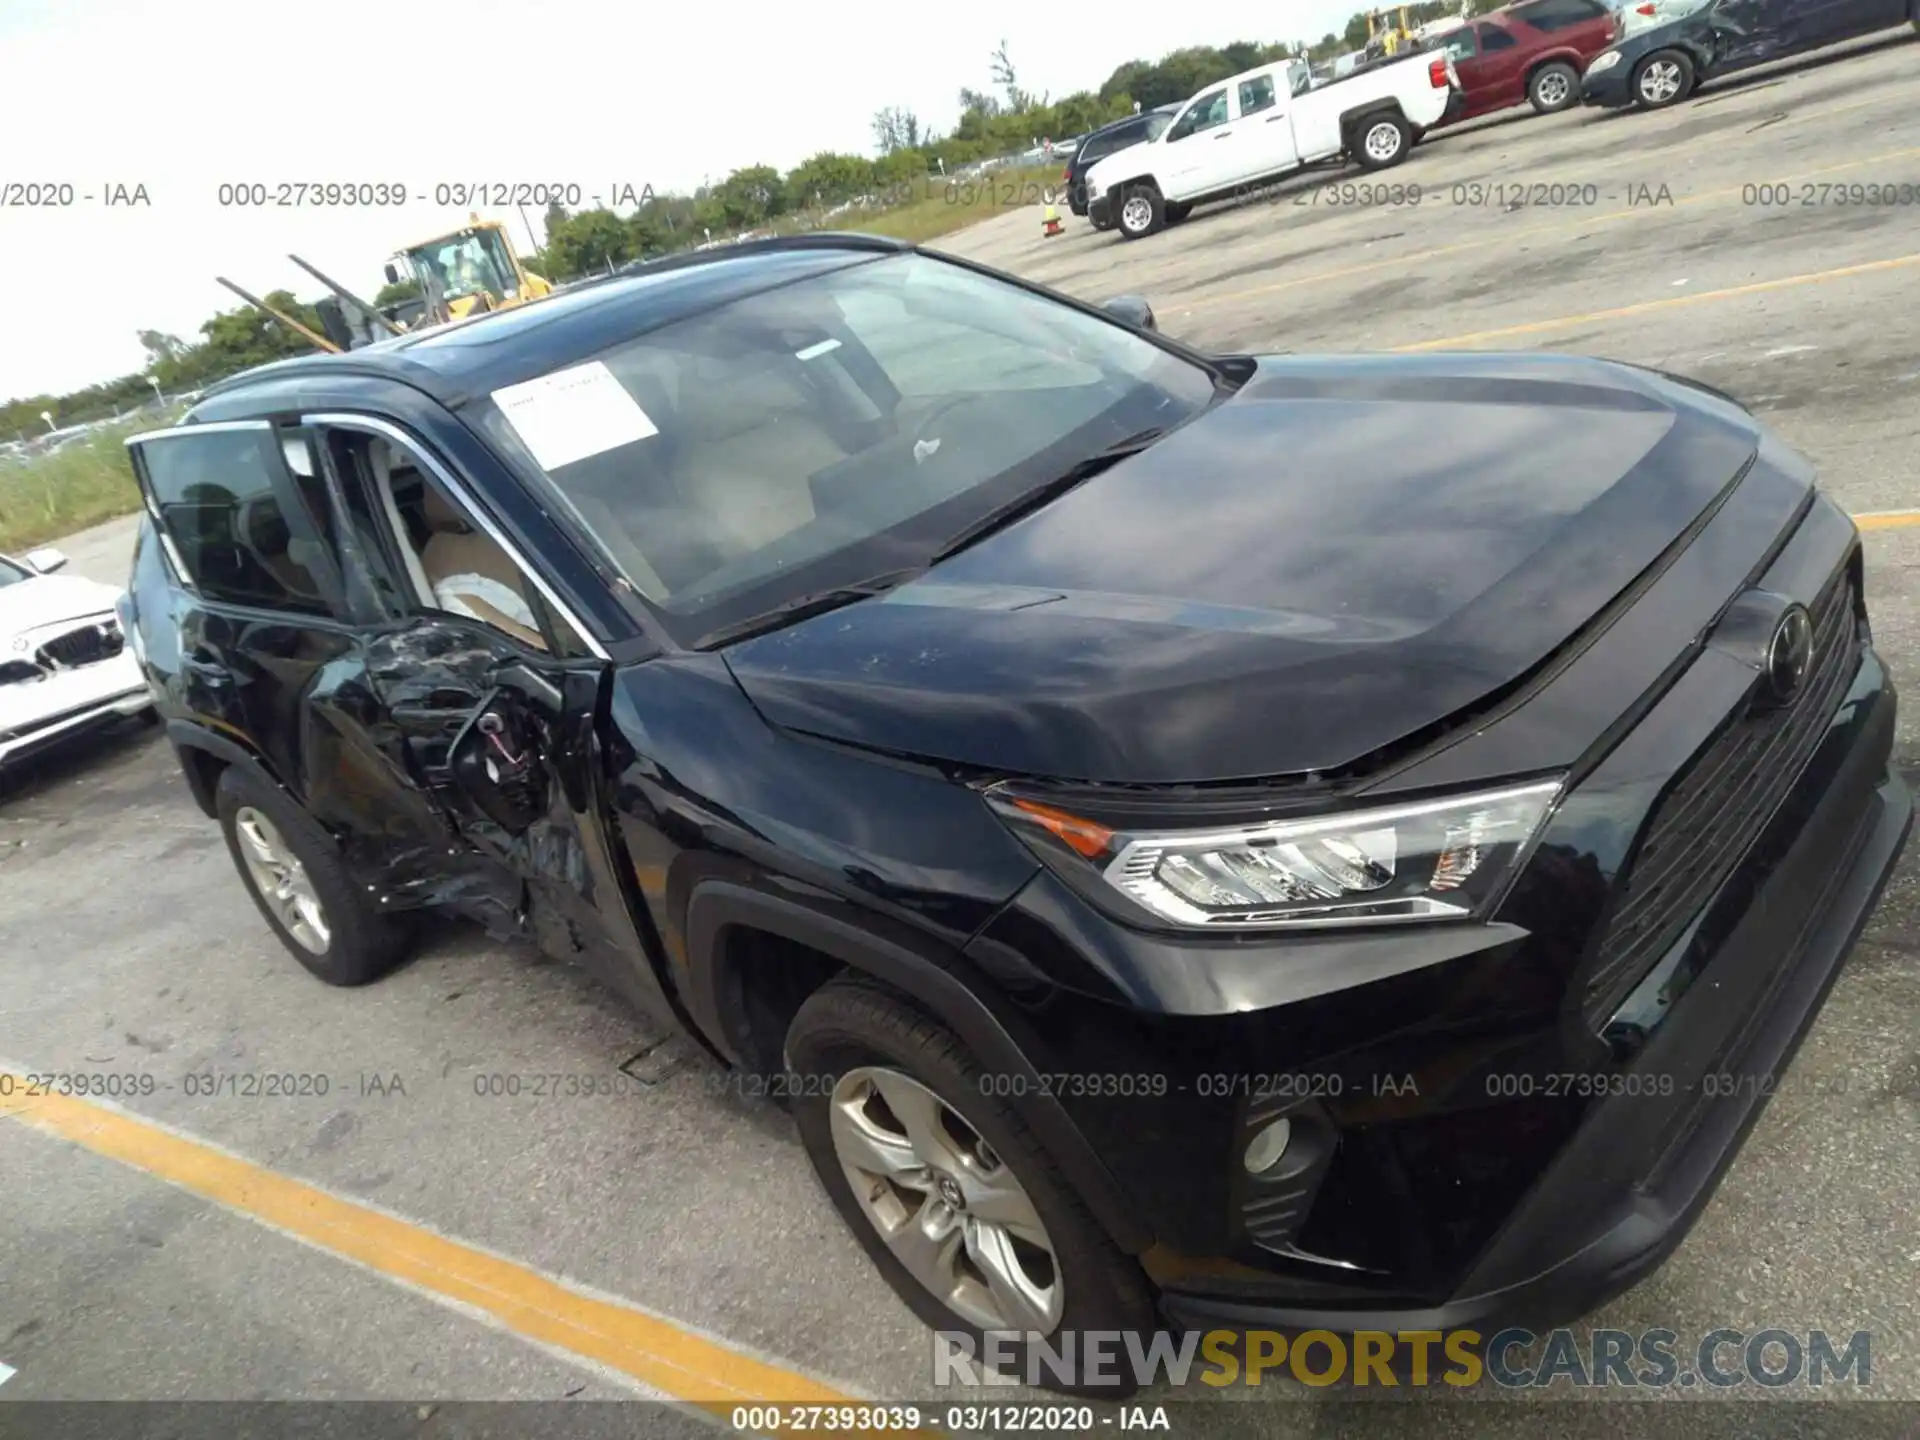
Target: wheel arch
(1114, 191)
(1351, 120)
(721, 913)
(204, 754)
(1569, 58)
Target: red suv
(1534, 52)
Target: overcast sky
(182, 95)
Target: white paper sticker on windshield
(814, 351)
(573, 413)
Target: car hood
(1347, 552)
(43, 600)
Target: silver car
(64, 661)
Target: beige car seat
(455, 551)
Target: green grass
(51, 496)
(944, 206)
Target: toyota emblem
(1789, 655)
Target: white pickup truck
(1263, 124)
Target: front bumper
(1565, 1084)
(1655, 1162)
(1100, 210)
(1611, 88)
(38, 713)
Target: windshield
(465, 264)
(829, 430)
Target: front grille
(87, 645)
(1707, 822)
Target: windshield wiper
(814, 602)
(1048, 490)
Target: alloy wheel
(950, 1210)
(281, 880)
(1383, 141)
(1553, 89)
(1659, 82)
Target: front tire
(292, 870)
(1664, 78)
(1381, 141)
(1141, 212)
(945, 1187)
(1553, 88)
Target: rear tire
(1664, 78)
(292, 869)
(1380, 141)
(851, 1034)
(1553, 88)
(1140, 212)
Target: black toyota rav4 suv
(1198, 840)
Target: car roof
(463, 359)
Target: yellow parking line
(1586, 220)
(1887, 519)
(670, 1358)
(1670, 302)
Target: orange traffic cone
(1050, 224)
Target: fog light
(1267, 1147)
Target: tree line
(1000, 119)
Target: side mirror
(1133, 309)
(393, 276)
(46, 560)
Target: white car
(1634, 16)
(64, 662)
(1255, 127)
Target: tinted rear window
(1113, 140)
(228, 519)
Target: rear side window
(1493, 38)
(1551, 15)
(235, 521)
(1256, 94)
(1108, 143)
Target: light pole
(48, 417)
(158, 396)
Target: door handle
(1223, 135)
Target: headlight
(1445, 859)
(1606, 60)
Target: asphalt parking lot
(406, 1235)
